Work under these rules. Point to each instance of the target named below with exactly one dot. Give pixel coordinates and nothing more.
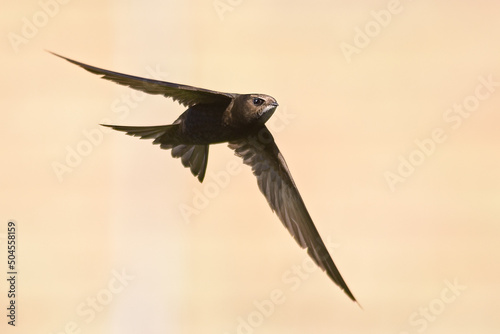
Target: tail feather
(194, 157)
(145, 132)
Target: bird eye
(257, 101)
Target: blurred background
(388, 120)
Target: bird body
(239, 119)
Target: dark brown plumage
(215, 117)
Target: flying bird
(215, 117)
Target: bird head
(258, 107)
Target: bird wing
(275, 181)
(185, 95)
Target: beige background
(341, 126)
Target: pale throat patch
(267, 113)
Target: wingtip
(84, 66)
(55, 54)
(351, 297)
